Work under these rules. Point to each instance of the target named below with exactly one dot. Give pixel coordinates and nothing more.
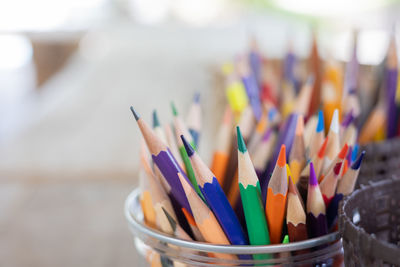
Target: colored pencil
(316, 211)
(328, 185)
(176, 228)
(258, 132)
(146, 201)
(302, 102)
(181, 129)
(205, 219)
(172, 145)
(215, 197)
(220, 158)
(276, 198)
(340, 157)
(263, 152)
(250, 192)
(374, 123)
(344, 188)
(295, 215)
(164, 160)
(333, 146)
(318, 161)
(315, 69)
(317, 136)
(297, 158)
(193, 119)
(193, 226)
(158, 129)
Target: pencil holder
(370, 225)
(323, 251)
(381, 161)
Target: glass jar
(322, 251)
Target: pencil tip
(354, 153)
(281, 162)
(357, 163)
(135, 114)
(174, 110)
(348, 118)
(320, 124)
(285, 240)
(335, 122)
(171, 220)
(156, 122)
(196, 98)
(241, 145)
(189, 149)
(313, 177)
(342, 154)
(336, 169)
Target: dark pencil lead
(356, 165)
(189, 149)
(135, 114)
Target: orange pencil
(297, 158)
(205, 219)
(146, 201)
(275, 207)
(223, 144)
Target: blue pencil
(216, 198)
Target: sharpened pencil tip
(189, 149)
(320, 124)
(354, 153)
(335, 122)
(342, 154)
(357, 163)
(241, 145)
(281, 162)
(135, 114)
(156, 122)
(313, 177)
(348, 119)
(336, 169)
(300, 125)
(174, 110)
(171, 220)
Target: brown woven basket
(369, 221)
(382, 160)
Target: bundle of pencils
(283, 156)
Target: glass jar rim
(137, 225)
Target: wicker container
(369, 221)
(381, 161)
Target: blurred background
(70, 69)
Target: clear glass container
(322, 251)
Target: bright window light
(15, 51)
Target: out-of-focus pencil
(216, 198)
(172, 145)
(316, 211)
(258, 133)
(317, 137)
(302, 102)
(250, 192)
(146, 201)
(193, 226)
(374, 123)
(220, 158)
(391, 86)
(333, 146)
(297, 159)
(193, 119)
(295, 215)
(344, 188)
(177, 229)
(328, 185)
(158, 129)
(181, 129)
(164, 160)
(276, 198)
(263, 152)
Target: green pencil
(181, 129)
(250, 193)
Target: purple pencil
(391, 85)
(164, 160)
(316, 210)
